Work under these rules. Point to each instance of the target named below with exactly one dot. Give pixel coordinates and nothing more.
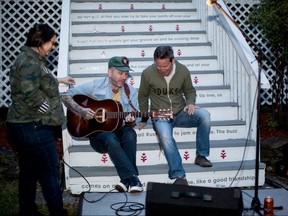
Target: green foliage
(9, 198)
(272, 122)
(272, 18)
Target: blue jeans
(38, 160)
(201, 120)
(121, 148)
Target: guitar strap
(127, 92)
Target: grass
(9, 200)
(9, 188)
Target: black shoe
(202, 161)
(123, 185)
(135, 185)
(181, 181)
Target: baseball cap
(119, 62)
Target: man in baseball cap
(119, 62)
(121, 143)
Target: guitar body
(79, 127)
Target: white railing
(63, 70)
(228, 44)
(65, 35)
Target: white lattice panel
(16, 18)
(240, 11)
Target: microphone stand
(256, 204)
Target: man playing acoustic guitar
(119, 141)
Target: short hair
(162, 52)
(39, 34)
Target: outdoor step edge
(150, 59)
(135, 22)
(150, 10)
(87, 75)
(76, 35)
(181, 145)
(94, 171)
(196, 44)
(132, 1)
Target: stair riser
(186, 134)
(146, 52)
(213, 96)
(128, 5)
(153, 157)
(133, 16)
(206, 179)
(132, 40)
(203, 96)
(197, 79)
(200, 80)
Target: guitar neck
(136, 114)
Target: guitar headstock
(164, 114)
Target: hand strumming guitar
(87, 113)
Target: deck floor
(105, 204)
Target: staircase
(93, 31)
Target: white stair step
(103, 179)
(138, 65)
(140, 52)
(129, 5)
(177, 26)
(100, 41)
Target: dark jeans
(38, 160)
(121, 147)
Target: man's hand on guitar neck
(130, 120)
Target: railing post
(63, 65)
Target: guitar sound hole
(100, 115)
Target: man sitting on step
(168, 85)
(120, 144)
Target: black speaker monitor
(169, 199)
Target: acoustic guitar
(108, 116)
